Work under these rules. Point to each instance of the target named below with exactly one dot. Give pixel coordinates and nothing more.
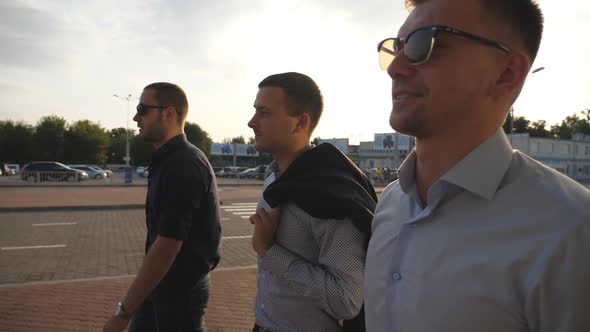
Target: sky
(68, 58)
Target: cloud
(25, 35)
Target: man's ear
(170, 112)
(303, 122)
(511, 79)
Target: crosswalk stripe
(244, 204)
(237, 237)
(55, 224)
(35, 247)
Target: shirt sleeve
(336, 281)
(182, 191)
(560, 299)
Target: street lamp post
(127, 148)
(512, 109)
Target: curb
(110, 185)
(73, 208)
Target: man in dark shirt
(171, 290)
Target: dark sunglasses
(142, 109)
(417, 46)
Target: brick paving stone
(85, 305)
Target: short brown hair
(303, 94)
(170, 94)
(524, 18)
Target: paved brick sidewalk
(21, 197)
(85, 305)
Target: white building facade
(571, 157)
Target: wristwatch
(121, 312)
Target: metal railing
(52, 176)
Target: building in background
(570, 157)
(387, 150)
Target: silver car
(92, 173)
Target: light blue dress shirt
(503, 244)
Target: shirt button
(262, 306)
(397, 276)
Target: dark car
(40, 171)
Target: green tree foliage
(237, 140)
(538, 129)
(86, 143)
(198, 137)
(17, 142)
(117, 148)
(50, 134)
(573, 124)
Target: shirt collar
(167, 148)
(407, 172)
(273, 167)
(480, 172)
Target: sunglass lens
(386, 53)
(419, 45)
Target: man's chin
(261, 148)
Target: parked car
(107, 171)
(142, 171)
(146, 172)
(230, 171)
(250, 173)
(40, 171)
(4, 169)
(15, 168)
(92, 172)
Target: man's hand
(115, 324)
(265, 227)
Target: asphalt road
(64, 245)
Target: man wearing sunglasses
(171, 290)
(473, 236)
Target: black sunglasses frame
(142, 109)
(399, 42)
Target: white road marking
(222, 219)
(244, 204)
(239, 210)
(245, 217)
(236, 237)
(35, 247)
(56, 224)
(241, 213)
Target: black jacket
(326, 185)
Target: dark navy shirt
(182, 203)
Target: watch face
(118, 308)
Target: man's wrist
(122, 312)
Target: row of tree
(81, 142)
(87, 142)
(574, 124)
